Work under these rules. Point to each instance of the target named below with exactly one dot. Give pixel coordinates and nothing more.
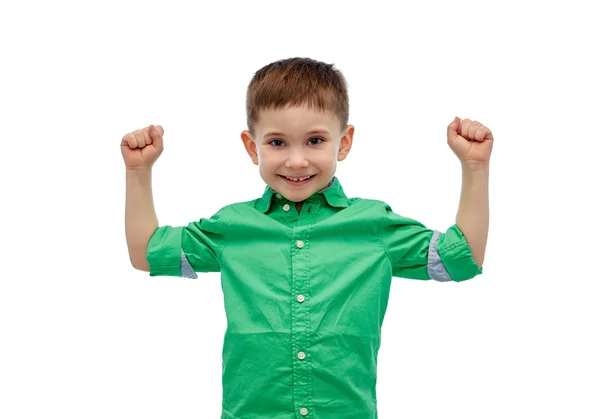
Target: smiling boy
(297, 149)
(305, 270)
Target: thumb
(454, 128)
(156, 133)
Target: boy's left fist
(471, 141)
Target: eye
(316, 138)
(276, 141)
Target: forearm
(473, 210)
(140, 216)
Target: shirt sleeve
(417, 252)
(184, 250)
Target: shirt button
(303, 411)
(301, 355)
(300, 244)
(300, 298)
(286, 207)
(278, 196)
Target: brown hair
(297, 81)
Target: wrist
(475, 166)
(138, 169)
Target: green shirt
(305, 295)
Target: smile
(299, 180)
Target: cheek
(267, 160)
(328, 157)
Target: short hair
(296, 82)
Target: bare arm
(140, 149)
(473, 210)
(140, 216)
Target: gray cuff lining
(435, 267)
(186, 268)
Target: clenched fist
(142, 147)
(471, 141)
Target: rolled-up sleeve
(184, 250)
(417, 252)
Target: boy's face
(296, 142)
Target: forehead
(296, 118)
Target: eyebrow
(315, 131)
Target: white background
(85, 335)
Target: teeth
(297, 179)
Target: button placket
(301, 364)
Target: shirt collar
(333, 194)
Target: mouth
(297, 180)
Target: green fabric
(351, 249)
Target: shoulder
(363, 203)
(366, 209)
(381, 210)
(382, 206)
(233, 210)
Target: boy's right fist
(142, 147)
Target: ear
(250, 146)
(346, 142)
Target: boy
(305, 270)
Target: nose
(296, 160)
